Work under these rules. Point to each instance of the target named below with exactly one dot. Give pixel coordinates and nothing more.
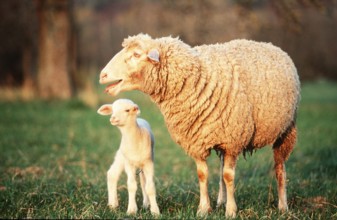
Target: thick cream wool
(235, 96)
(232, 97)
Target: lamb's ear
(137, 110)
(105, 110)
(153, 55)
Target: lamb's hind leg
(202, 169)
(150, 188)
(132, 188)
(282, 147)
(146, 202)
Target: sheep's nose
(102, 77)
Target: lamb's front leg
(204, 205)
(132, 188)
(229, 176)
(113, 175)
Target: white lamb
(135, 152)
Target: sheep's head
(126, 69)
(122, 111)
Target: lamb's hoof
(112, 206)
(131, 211)
(146, 205)
(155, 211)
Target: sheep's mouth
(113, 84)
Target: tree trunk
(54, 47)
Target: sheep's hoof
(204, 211)
(283, 207)
(220, 203)
(231, 212)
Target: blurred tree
(291, 11)
(54, 47)
(16, 43)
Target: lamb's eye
(127, 110)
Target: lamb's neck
(130, 132)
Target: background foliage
(303, 28)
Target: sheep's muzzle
(112, 85)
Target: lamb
(135, 151)
(234, 97)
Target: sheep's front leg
(229, 176)
(132, 188)
(222, 188)
(113, 175)
(204, 205)
(150, 187)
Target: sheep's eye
(135, 54)
(127, 110)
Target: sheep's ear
(105, 110)
(153, 55)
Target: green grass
(54, 157)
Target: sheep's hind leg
(282, 149)
(204, 205)
(229, 176)
(222, 188)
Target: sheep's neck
(182, 96)
(172, 82)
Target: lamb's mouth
(113, 84)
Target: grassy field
(54, 157)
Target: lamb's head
(126, 69)
(122, 111)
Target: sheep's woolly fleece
(236, 96)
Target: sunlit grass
(54, 157)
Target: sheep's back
(259, 87)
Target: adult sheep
(233, 97)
